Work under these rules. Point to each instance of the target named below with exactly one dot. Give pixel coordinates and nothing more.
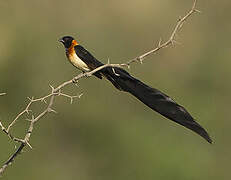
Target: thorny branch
(170, 41)
(57, 92)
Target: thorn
(71, 100)
(141, 60)
(108, 61)
(31, 99)
(197, 11)
(76, 85)
(52, 110)
(80, 95)
(44, 100)
(28, 144)
(1, 125)
(52, 88)
(159, 43)
(115, 72)
(28, 111)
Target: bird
(158, 101)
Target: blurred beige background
(107, 134)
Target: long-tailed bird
(79, 57)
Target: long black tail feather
(154, 99)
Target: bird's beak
(61, 40)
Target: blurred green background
(107, 134)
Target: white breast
(77, 62)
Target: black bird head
(67, 41)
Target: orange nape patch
(71, 49)
(74, 42)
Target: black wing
(85, 56)
(91, 62)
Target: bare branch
(54, 92)
(11, 159)
(70, 97)
(26, 110)
(171, 39)
(2, 94)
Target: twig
(171, 39)
(57, 92)
(54, 92)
